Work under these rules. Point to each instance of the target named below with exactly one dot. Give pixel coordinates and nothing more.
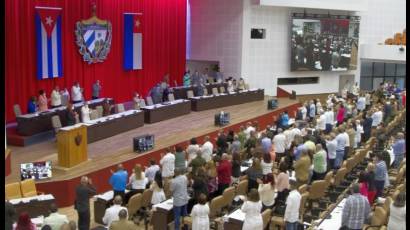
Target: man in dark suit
(82, 202)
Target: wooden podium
(72, 145)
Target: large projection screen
(324, 44)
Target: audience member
(291, 216)
(212, 174)
(380, 174)
(371, 187)
(356, 209)
(301, 167)
(85, 113)
(55, 97)
(82, 202)
(111, 213)
(137, 182)
(397, 218)
(180, 158)
(179, 189)
(122, 223)
(254, 172)
(197, 162)
(236, 168)
(192, 149)
(221, 143)
(24, 222)
(207, 149)
(224, 173)
(331, 145)
(282, 183)
(399, 149)
(340, 147)
(279, 143)
(267, 193)
(319, 163)
(151, 170)
(42, 101)
(118, 181)
(55, 220)
(200, 214)
(200, 184)
(252, 207)
(158, 194)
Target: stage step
(17, 140)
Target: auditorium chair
(242, 188)
(303, 188)
(142, 103)
(17, 110)
(206, 92)
(93, 114)
(215, 91)
(149, 101)
(119, 108)
(28, 188)
(171, 97)
(222, 89)
(143, 212)
(190, 94)
(215, 208)
(336, 188)
(396, 180)
(99, 109)
(56, 123)
(134, 204)
(13, 191)
(317, 193)
(266, 217)
(378, 219)
(228, 195)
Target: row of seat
(398, 39)
(25, 188)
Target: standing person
(111, 213)
(32, 105)
(65, 96)
(180, 158)
(85, 113)
(291, 216)
(312, 110)
(55, 97)
(151, 170)
(252, 208)
(356, 210)
(361, 102)
(367, 126)
(82, 202)
(319, 163)
(118, 181)
(340, 114)
(236, 145)
(192, 149)
(224, 170)
(358, 134)
(179, 189)
(71, 115)
(96, 90)
(254, 173)
(157, 188)
(200, 184)
(397, 218)
(42, 101)
(9, 213)
(266, 165)
(55, 220)
(321, 122)
(137, 182)
(279, 143)
(168, 167)
(76, 93)
(266, 143)
(340, 147)
(236, 167)
(331, 145)
(207, 149)
(200, 214)
(330, 119)
(301, 167)
(197, 163)
(380, 174)
(212, 174)
(267, 193)
(282, 183)
(221, 143)
(187, 78)
(399, 149)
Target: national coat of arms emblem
(93, 37)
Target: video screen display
(36, 170)
(324, 44)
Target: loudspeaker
(143, 143)
(293, 95)
(222, 119)
(272, 104)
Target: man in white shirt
(279, 143)
(111, 213)
(377, 117)
(291, 216)
(151, 170)
(168, 164)
(55, 97)
(330, 119)
(288, 134)
(361, 102)
(207, 149)
(85, 113)
(76, 93)
(294, 131)
(321, 122)
(303, 110)
(65, 97)
(331, 144)
(249, 129)
(55, 220)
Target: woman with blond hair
(137, 182)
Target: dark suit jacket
(83, 194)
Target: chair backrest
(142, 103)
(134, 204)
(328, 178)
(228, 195)
(119, 108)
(215, 206)
(206, 92)
(242, 188)
(302, 207)
(13, 191)
(222, 89)
(17, 110)
(28, 188)
(99, 109)
(190, 94)
(56, 123)
(146, 198)
(171, 97)
(379, 217)
(386, 204)
(303, 188)
(94, 114)
(340, 174)
(215, 91)
(149, 101)
(349, 164)
(317, 189)
(266, 216)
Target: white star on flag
(137, 23)
(49, 21)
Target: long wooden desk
(180, 92)
(34, 123)
(160, 112)
(35, 206)
(222, 100)
(162, 215)
(101, 203)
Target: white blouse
(200, 217)
(253, 216)
(138, 184)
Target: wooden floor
(118, 148)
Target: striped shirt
(355, 211)
(380, 171)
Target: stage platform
(105, 154)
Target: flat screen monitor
(324, 44)
(36, 170)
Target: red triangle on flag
(48, 18)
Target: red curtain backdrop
(164, 38)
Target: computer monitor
(36, 170)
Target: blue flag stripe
(50, 57)
(39, 50)
(128, 41)
(60, 55)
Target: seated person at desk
(42, 101)
(187, 78)
(111, 213)
(85, 113)
(200, 214)
(55, 97)
(71, 115)
(230, 87)
(32, 105)
(137, 100)
(106, 108)
(55, 220)
(252, 208)
(122, 223)
(241, 84)
(76, 93)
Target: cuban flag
(49, 48)
(132, 41)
